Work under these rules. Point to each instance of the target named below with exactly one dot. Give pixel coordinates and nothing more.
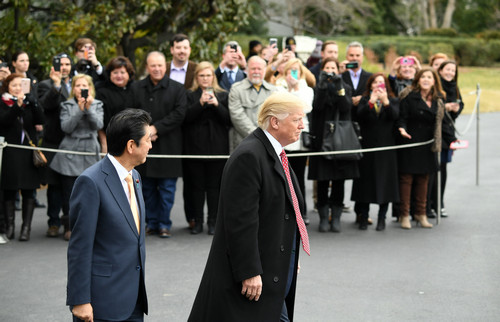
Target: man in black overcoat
(251, 270)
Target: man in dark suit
(166, 101)
(232, 66)
(181, 69)
(51, 93)
(106, 252)
(251, 270)
(355, 77)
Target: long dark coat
(166, 102)
(254, 236)
(325, 106)
(419, 121)
(378, 180)
(114, 99)
(18, 171)
(206, 128)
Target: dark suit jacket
(316, 69)
(50, 99)
(106, 255)
(254, 235)
(223, 80)
(362, 82)
(188, 83)
(166, 102)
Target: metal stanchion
(477, 133)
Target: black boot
(10, 215)
(198, 227)
(380, 224)
(381, 217)
(27, 211)
(363, 221)
(336, 213)
(323, 218)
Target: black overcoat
(206, 127)
(254, 236)
(166, 102)
(378, 180)
(325, 106)
(114, 99)
(419, 121)
(18, 171)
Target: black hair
(126, 125)
(178, 38)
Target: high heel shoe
(422, 220)
(405, 222)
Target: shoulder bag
(340, 136)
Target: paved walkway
(448, 273)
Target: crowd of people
(205, 110)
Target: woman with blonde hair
(420, 119)
(81, 117)
(205, 132)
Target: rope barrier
(173, 156)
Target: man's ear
(130, 146)
(274, 122)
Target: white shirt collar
(278, 148)
(185, 67)
(122, 172)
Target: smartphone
(86, 53)
(26, 85)
(56, 62)
(273, 41)
(352, 65)
(294, 73)
(382, 86)
(235, 47)
(405, 61)
(85, 93)
(209, 90)
(3, 64)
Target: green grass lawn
(489, 82)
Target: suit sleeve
(241, 216)
(83, 216)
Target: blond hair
(89, 81)
(279, 105)
(201, 66)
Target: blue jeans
(159, 195)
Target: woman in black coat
(18, 111)
(421, 115)
(377, 113)
(115, 93)
(331, 95)
(205, 132)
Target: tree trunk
(425, 14)
(432, 13)
(448, 14)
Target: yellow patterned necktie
(133, 202)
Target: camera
(352, 65)
(405, 61)
(83, 66)
(85, 93)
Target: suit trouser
(136, 316)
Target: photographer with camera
(51, 93)
(81, 117)
(87, 62)
(232, 66)
(332, 96)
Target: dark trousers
(136, 316)
(54, 204)
(364, 208)
(336, 196)
(419, 192)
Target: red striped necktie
(300, 222)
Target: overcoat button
(276, 279)
(282, 248)
(287, 216)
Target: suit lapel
(115, 187)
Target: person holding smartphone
(402, 72)
(81, 117)
(232, 66)
(87, 62)
(377, 113)
(205, 132)
(19, 114)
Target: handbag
(39, 159)
(306, 139)
(339, 136)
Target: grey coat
(80, 128)
(244, 103)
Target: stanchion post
(2, 140)
(478, 93)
